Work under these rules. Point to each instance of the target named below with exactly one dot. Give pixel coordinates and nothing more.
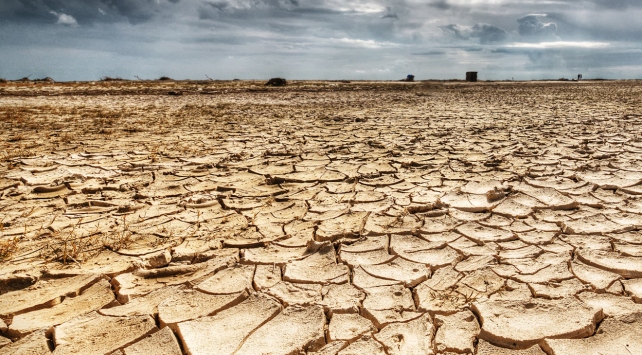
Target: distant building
(471, 76)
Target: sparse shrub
(108, 78)
(276, 82)
(8, 248)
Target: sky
(320, 39)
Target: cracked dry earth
(321, 218)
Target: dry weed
(118, 239)
(8, 248)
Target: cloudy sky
(320, 39)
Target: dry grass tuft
(8, 248)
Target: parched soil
(321, 218)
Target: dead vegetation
(8, 247)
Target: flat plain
(322, 217)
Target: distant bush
(165, 78)
(108, 78)
(276, 82)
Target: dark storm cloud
(136, 11)
(83, 11)
(330, 38)
(230, 9)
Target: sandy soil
(321, 218)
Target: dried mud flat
(321, 218)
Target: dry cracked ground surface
(321, 218)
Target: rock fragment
(155, 260)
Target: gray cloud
(617, 4)
(456, 31)
(390, 14)
(440, 4)
(369, 39)
(532, 28)
(483, 32)
(430, 53)
(488, 33)
(83, 11)
(136, 11)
